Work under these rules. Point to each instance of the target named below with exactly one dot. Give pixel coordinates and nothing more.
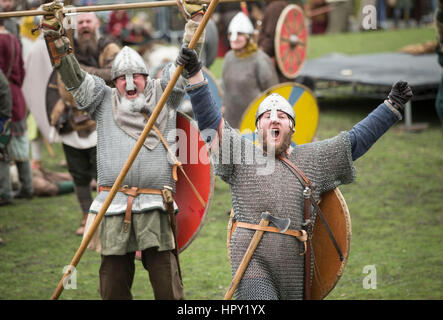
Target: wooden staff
(109, 7)
(133, 153)
(245, 260)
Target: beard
(133, 105)
(270, 147)
(87, 46)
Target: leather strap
(298, 173)
(177, 164)
(131, 193)
(168, 201)
(301, 235)
(305, 181)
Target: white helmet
(240, 24)
(275, 102)
(128, 62)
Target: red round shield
(193, 196)
(290, 41)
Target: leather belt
(131, 192)
(301, 235)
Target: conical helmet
(275, 102)
(240, 24)
(128, 62)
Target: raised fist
(189, 59)
(400, 94)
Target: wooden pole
(109, 7)
(245, 260)
(133, 153)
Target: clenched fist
(189, 59)
(400, 94)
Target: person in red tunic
(11, 63)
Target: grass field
(396, 206)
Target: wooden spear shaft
(133, 154)
(109, 7)
(245, 260)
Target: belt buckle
(126, 225)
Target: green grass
(396, 210)
(395, 204)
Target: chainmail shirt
(259, 183)
(151, 168)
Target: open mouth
(131, 93)
(275, 133)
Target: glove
(189, 59)
(189, 9)
(400, 94)
(51, 24)
(58, 44)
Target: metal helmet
(240, 24)
(275, 102)
(128, 62)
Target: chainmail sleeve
(90, 94)
(328, 162)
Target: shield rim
(276, 87)
(211, 187)
(277, 41)
(348, 235)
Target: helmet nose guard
(275, 102)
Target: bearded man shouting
(261, 181)
(136, 218)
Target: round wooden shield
(305, 107)
(327, 265)
(193, 198)
(290, 41)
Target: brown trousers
(117, 275)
